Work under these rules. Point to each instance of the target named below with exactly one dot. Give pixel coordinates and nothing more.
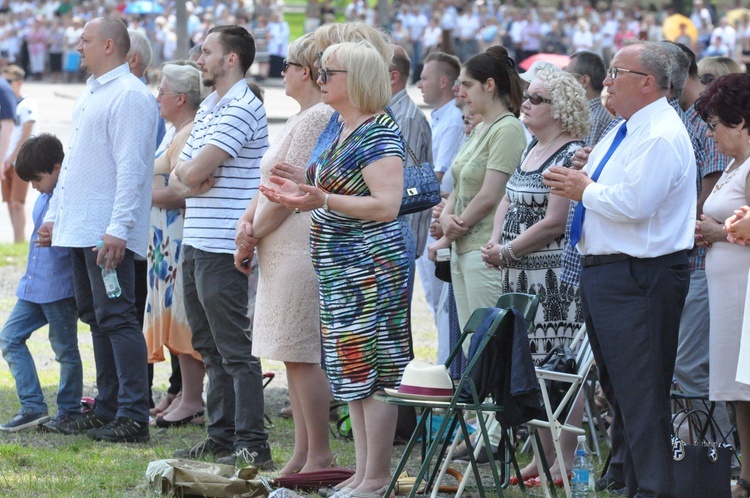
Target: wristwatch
(325, 203)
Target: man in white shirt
(104, 195)
(229, 137)
(727, 34)
(440, 72)
(636, 226)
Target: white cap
(537, 66)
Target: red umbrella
(559, 60)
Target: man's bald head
(111, 28)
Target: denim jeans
(24, 319)
(117, 337)
(216, 301)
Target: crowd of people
(614, 188)
(41, 35)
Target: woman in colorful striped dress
(359, 253)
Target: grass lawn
(36, 464)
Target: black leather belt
(602, 259)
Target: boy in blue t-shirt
(45, 296)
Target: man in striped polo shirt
(229, 137)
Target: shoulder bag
(421, 186)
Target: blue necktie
(576, 228)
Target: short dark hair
(401, 63)
(39, 154)
(727, 99)
(592, 65)
(693, 68)
(238, 40)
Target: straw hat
(425, 382)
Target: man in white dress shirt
(638, 201)
(104, 194)
(229, 137)
(440, 72)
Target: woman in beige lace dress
(286, 326)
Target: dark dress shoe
(160, 422)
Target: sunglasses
(536, 99)
(712, 126)
(707, 78)
(614, 71)
(286, 63)
(327, 73)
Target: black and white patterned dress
(559, 315)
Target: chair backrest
(527, 304)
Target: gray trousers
(216, 302)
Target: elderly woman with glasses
(725, 106)
(165, 322)
(354, 191)
(285, 326)
(528, 235)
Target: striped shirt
(235, 123)
(711, 162)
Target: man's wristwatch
(325, 203)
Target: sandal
(743, 487)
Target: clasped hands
(737, 226)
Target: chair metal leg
(420, 430)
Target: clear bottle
(582, 482)
(111, 284)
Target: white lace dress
(286, 326)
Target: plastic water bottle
(582, 482)
(111, 284)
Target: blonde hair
(304, 51)
(14, 71)
(331, 34)
(569, 103)
(367, 80)
(718, 66)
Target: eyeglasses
(327, 73)
(613, 71)
(536, 99)
(163, 93)
(286, 63)
(712, 126)
(707, 78)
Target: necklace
(346, 131)
(539, 154)
(728, 175)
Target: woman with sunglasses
(725, 107)
(491, 87)
(285, 326)
(528, 235)
(359, 253)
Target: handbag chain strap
(403, 139)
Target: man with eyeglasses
(633, 227)
(229, 137)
